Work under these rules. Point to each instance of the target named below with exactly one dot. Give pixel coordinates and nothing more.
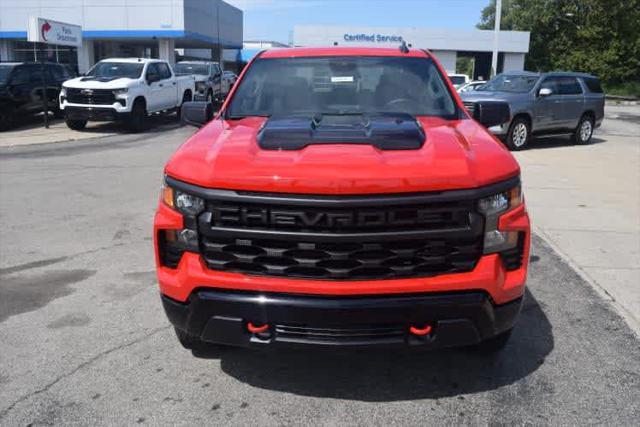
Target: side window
(56, 73)
(153, 74)
(569, 86)
(19, 76)
(593, 84)
(216, 70)
(165, 73)
(551, 83)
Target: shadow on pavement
(391, 376)
(558, 141)
(155, 123)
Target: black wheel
(76, 124)
(519, 134)
(187, 340)
(584, 131)
(493, 344)
(138, 119)
(6, 117)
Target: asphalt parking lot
(83, 338)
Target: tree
(595, 36)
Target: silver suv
(544, 104)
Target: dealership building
(166, 29)
(447, 45)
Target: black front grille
(470, 106)
(339, 238)
(351, 335)
(90, 96)
(347, 260)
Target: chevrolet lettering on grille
(265, 217)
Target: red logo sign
(46, 27)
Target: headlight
(185, 203)
(63, 91)
(174, 242)
(122, 91)
(492, 207)
(201, 86)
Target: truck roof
(132, 60)
(301, 52)
(549, 73)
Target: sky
(275, 19)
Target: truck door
(572, 101)
(168, 86)
(154, 98)
(546, 108)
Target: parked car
(471, 86)
(459, 79)
(126, 90)
(229, 78)
(342, 197)
(21, 89)
(544, 104)
(210, 85)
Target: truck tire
(6, 117)
(76, 124)
(519, 134)
(584, 130)
(187, 340)
(493, 344)
(138, 118)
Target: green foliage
(623, 89)
(601, 37)
(464, 65)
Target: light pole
(496, 34)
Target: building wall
(513, 61)
(98, 18)
(433, 39)
(447, 59)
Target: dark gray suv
(544, 104)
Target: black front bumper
(94, 114)
(457, 319)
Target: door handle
(160, 84)
(174, 83)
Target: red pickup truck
(343, 197)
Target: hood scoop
(98, 79)
(389, 131)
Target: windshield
(131, 70)
(5, 70)
(342, 85)
(191, 69)
(457, 80)
(509, 83)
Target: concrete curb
(630, 319)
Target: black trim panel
(462, 318)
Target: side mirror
(545, 91)
(196, 113)
(152, 78)
(491, 113)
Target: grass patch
(623, 89)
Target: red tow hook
(257, 329)
(421, 332)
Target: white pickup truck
(124, 89)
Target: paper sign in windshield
(341, 79)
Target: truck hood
(87, 82)
(482, 95)
(456, 154)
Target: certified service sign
(44, 30)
